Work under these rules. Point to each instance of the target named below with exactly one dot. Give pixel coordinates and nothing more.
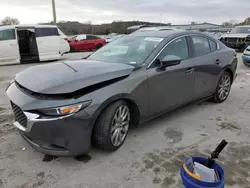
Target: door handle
(189, 71)
(217, 62)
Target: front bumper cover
(63, 136)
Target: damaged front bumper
(63, 136)
(68, 135)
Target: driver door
(172, 86)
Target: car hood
(236, 35)
(68, 77)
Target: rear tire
(112, 126)
(223, 88)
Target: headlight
(246, 52)
(65, 110)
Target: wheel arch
(126, 97)
(229, 70)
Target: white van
(31, 43)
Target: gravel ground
(152, 154)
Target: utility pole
(54, 11)
(160, 18)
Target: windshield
(241, 30)
(130, 50)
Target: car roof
(167, 33)
(161, 33)
(158, 28)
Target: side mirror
(170, 60)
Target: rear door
(48, 42)
(207, 64)
(9, 50)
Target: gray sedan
(61, 107)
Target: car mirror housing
(170, 60)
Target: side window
(46, 32)
(82, 37)
(8, 34)
(177, 47)
(213, 45)
(201, 45)
(90, 37)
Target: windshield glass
(241, 30)
(130, 50)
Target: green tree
(247, 21)
(10, 21)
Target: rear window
(90, 37)
(8, 34)
(213, 45)
(201, 45)
(46, 32)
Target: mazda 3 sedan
(60, 108)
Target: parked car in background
(238, 38)
(112, 38)
(86, 43)
(246, 56)
(216, 35)
(130, 80)
(31, 43)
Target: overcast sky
(104, 11)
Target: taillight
(66, 39)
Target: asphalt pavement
(152, 154)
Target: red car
(86, 43)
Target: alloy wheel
(120, 125)
(224, 87)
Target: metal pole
(54, 11)
(160, 19)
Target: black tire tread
(102, 127)
(215, 97)
(72, 49)
(98, 46)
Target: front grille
(19, 116)
(234, 40)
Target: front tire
(223, 88)
(112, 126)
(72, 49)
(98, 46)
